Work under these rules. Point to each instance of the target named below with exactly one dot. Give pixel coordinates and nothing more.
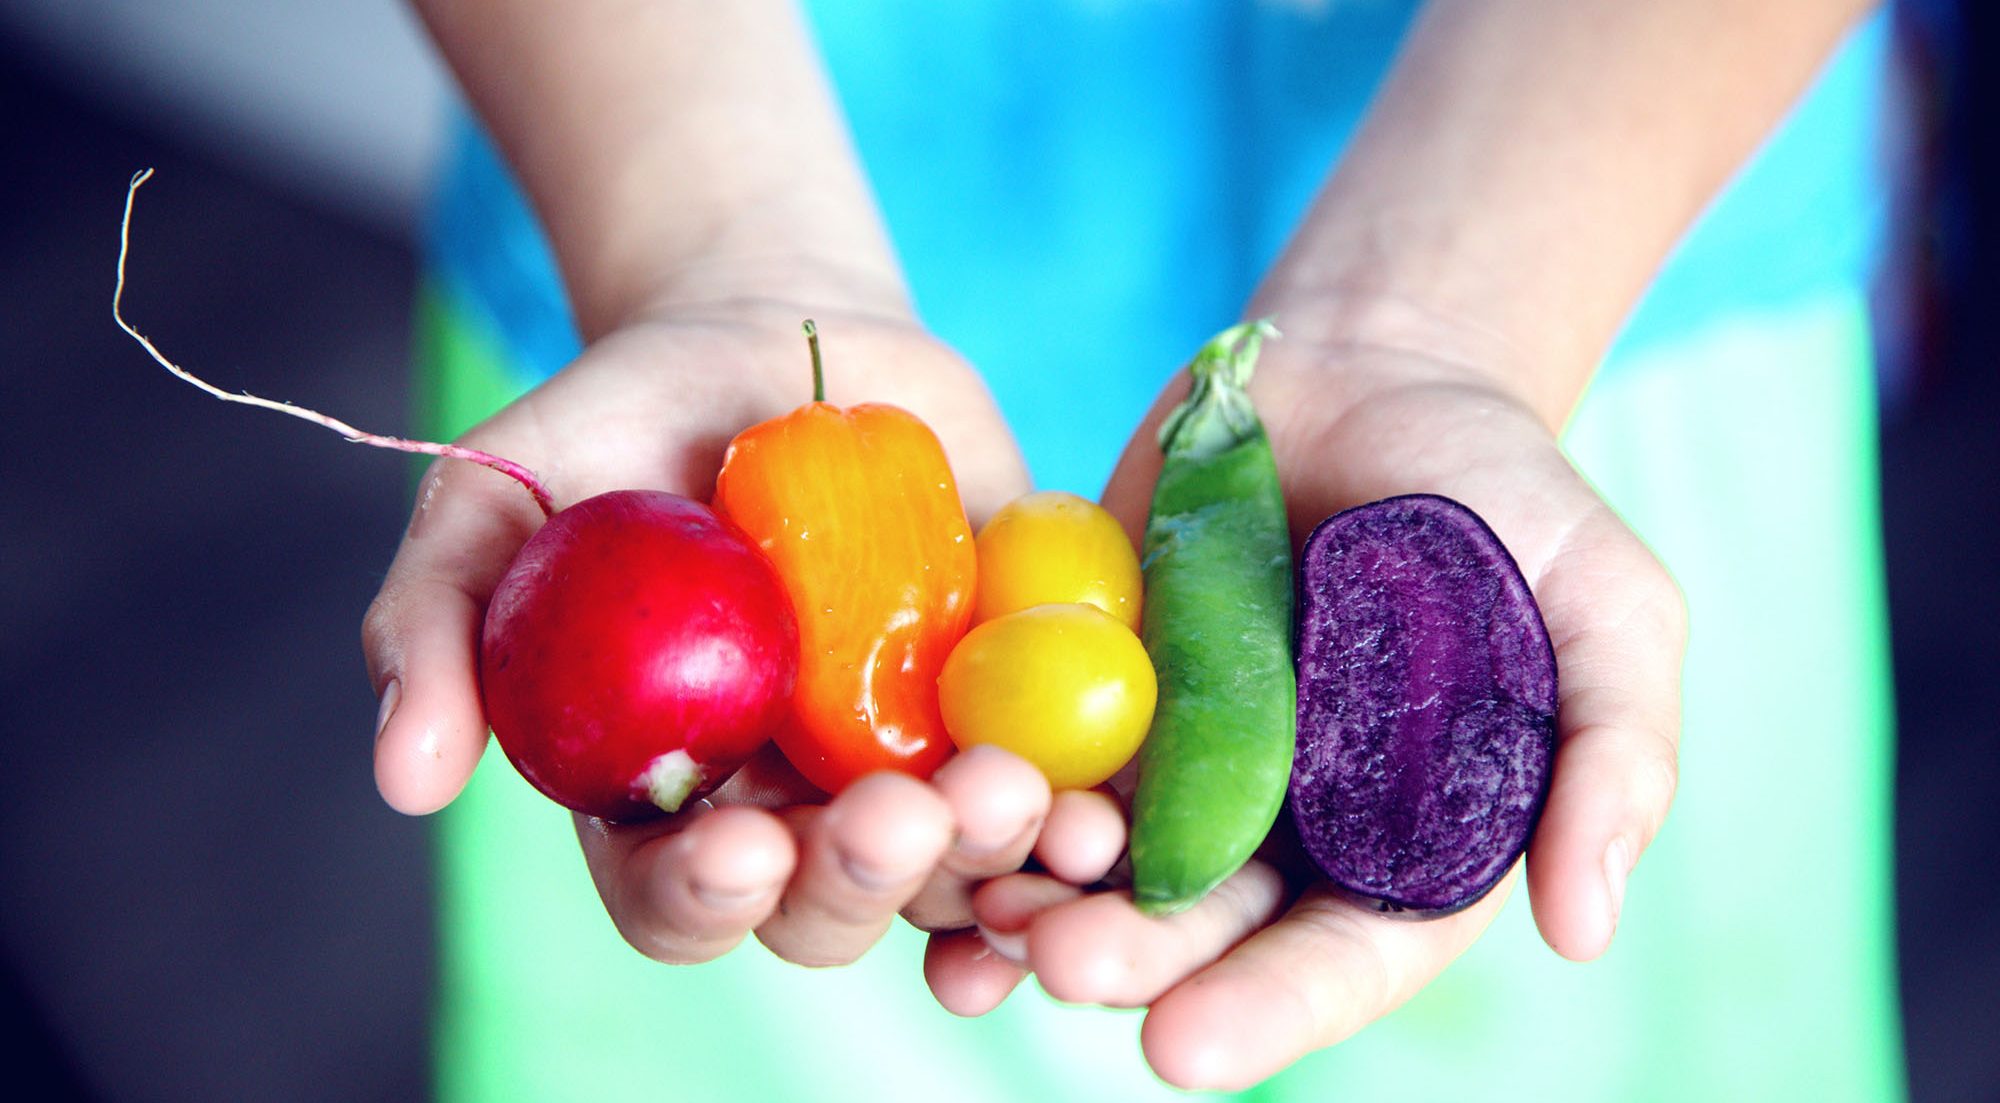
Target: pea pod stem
(1218, 625)
(1217, 413)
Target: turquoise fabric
(1083, 191)
(1080, 192)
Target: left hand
(1271, 965)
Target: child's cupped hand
(1273, 965)
(653, 405)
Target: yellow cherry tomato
(1064, 686)
(1050, 547)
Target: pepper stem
(819, 372)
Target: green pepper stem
(819, 372)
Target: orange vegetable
(858, 509)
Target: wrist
(677, 151)
(745, 272)
(757, 306)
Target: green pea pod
(1218, 625)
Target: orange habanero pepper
(858, 509)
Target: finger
(998, 801)
(862, 858)
(767, 780)
(1312, 979)
(965, 975)
(1084, 836)
(1100, 949)
(689, 889)
(1005, 907)
(421, 634)
(1618, 743)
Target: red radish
(638, 650)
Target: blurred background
(201, 896)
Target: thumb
(421, 633)
(1619, 626)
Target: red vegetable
(639, 649)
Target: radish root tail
(504, 466)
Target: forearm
(678, 151)
(1530, 162)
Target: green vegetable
(1218, 626)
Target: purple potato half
(1427, 705)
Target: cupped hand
(1272, 965)
(653, 405)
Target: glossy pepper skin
(858, 509)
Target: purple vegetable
(1427, 701)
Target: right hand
(653, 405)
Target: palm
(1284, 965)
(654, 406)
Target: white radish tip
(669, 779)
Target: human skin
(1445, 301)
(699, 189)
(1520, 178)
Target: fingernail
(1617, 866)
(872, 877)
(993, 842)
(1013, 947)
(392, 694)
(726, 900)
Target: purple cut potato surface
(1427, 702)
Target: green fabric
(1746, 456)
(1755, 960)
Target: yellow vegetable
(1050, 547)
(1064, 686)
